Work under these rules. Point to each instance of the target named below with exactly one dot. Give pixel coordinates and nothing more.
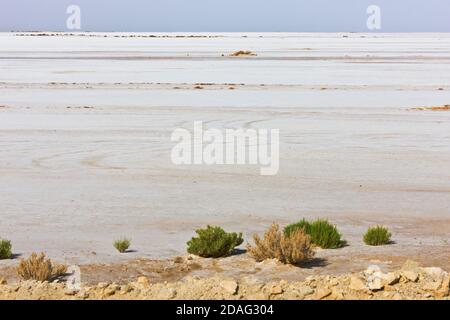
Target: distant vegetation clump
(323, 234)
(242, 53)
(214, 242)
(289, 249)
(5, 249)
(38, 268)
(377, 236)
(122, 245)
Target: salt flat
(85, 124)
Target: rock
(390, 278)
(276, 289)
(387, 295)
(70, 292)
(357, 284)
(322, 293)
(337, 294)
(178, 260)
(441, 294)
(410, 275)
(410, 265)
(432, 285)
(444, 290)
(3, 281)
(102, 285)
(229, 286)
(376, 284)
(372, 269)
(269, 263)
(126, 289)
(305, 290)
(143, 281)
(446, 283)
(397, 296)
(433, 272)
(254, 282)
(167, 294)
(83, 295)
(110, 290)
(334, 282)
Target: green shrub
(213, 242)
(122, 245)
(5, 249)
(323, 234)
(377, 236)
(302, 224)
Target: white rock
(434, 272)
(229, 286)
(372, 269)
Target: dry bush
(241, 53)
(37, 267)
(291, 249)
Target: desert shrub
(302, 224)
(242, 53)
(377, 236)
(213, 242)
(290, 249)
(37, 267)
(5, 249)
(122, 245)
(323, 234)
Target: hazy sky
(225, 15)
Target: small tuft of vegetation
(213, 242)
(122, 245)
(37, 267)
(5, 249)
(289, 249)
(377, 236)
(323, 234)
(243, 53)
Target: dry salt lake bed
(86, 119)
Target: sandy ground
(85, 126)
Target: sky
(229, 15)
